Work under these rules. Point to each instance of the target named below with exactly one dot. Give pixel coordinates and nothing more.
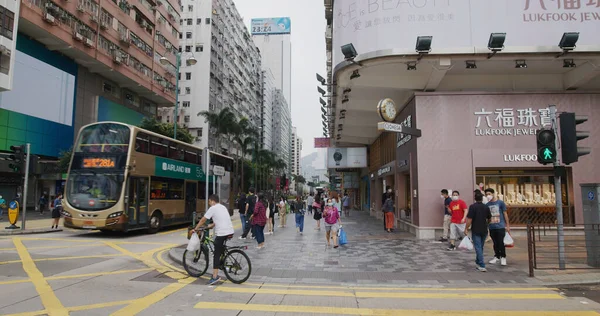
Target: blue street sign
(12, 204)
(591, 195)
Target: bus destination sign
(98, 162)
(170, 168)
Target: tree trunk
(242, 184)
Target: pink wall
(449, 151)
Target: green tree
(166, 129)
(64, 160)
(222, 124)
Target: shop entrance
(528, 194)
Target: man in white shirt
(223, 230)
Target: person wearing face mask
(388, 190)
(499, 226)
(332, 221)
(447, 216)
(458, 210)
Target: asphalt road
(88, 273)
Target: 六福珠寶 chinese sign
(511, 122)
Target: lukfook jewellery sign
(510, 121)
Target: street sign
(13, 214)
(218, 171)
(398, 128)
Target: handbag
(343, 239)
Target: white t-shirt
(220, 216)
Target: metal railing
(581, 251)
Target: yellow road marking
(56, 247)
(66, 258)
(162, 261)
(51, 303)
(76, 276)
(172, 231)
(378, 312)
(100, 240)
(76, 308)
(147, 259)
(409, 295)
(430, 288)
(144, 302)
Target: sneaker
(451, 248)
(494, 261)
(443, 239)
(481, 269)
(502, 261)
(242, 237)
(214, 281)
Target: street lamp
(190, 62)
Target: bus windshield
(93, 192)
(103, 138)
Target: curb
(12, 232)
(175, 256)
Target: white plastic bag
(194, 243)
(508, 241)
(466, 244)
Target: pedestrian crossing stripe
(406, 295)
(377, 312)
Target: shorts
(457, 230)
(330, 227)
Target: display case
(528, 194)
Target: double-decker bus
(122, 178)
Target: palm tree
(222, 123)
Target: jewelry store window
(528, 194)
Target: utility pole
(25, 183)
(558, 192)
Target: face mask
(329, 204)
(490, 197)
(442, 196)
(455, 198)
(390, 191)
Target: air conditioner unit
(94, 18)
(80, 8)
(4, 50)
(104, 25)
(88, 42)
(77, 36)
(117, 59)
(49, 18)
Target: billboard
(462, 26)
(322, 142)
(347, 157)
(267, 26)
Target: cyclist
(223, 229)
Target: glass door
(190, 199)
(138, 201)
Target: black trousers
(219, 248)
(248, 228)
(497, 236)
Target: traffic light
(546, 146)
(569, 136)
(18, 158)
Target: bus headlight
(115, 215)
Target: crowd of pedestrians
(258, 212)
(487, 216)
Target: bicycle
(196, 263)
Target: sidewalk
(372, 256)
(35, 223)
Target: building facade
(87, 61)
(227, 73)
(272, 36)
(483, 97)
(268, 100)
(296, 152)
(9, 11)
(282, 129)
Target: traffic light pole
(25, 183)
(558, 192)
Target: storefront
(381, 181)
(478, 141)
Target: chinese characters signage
(98, 163)
(561, 10)
(322, 142)
(404, 138)
(510, 122)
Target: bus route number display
(98, 162)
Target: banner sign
(322, 142)
(170, 168)
(270, 26)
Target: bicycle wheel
(237, 266)
(195, 263)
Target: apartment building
(282, 129)
(296, 151)
(227, 73)
(268, 88)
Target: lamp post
(190, 62)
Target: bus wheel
(155, 223)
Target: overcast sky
(308, 57)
